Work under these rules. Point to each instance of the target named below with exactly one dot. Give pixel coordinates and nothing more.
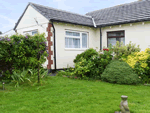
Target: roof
(60, 15)
(121, 14)
(126, 13)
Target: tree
(0, 32)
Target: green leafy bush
(20, 51)
(93, 66)
(120, 72)
(86, 54)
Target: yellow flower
(144, 65)
(147, 50)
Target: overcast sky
(11, 10)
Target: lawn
(64, 95)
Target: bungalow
(69, 34)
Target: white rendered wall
(66, 56)
(28, 23)
(138, 33)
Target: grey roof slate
(60, 15)
(131, 12)
(125, 13)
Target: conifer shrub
(120, 72)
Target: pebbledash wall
(138, 33)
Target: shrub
(86, 54)
(140, 62)
(20, 51)
(93, 66)
(122, 51)
(120, 72)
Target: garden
(94, 84)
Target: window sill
(75, 49)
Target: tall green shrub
(20, 51)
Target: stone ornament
(124, 104)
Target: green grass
(64, 95)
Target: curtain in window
(76, 43)
(84, 40)
(72, 42)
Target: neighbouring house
(8, 33)
(69, 34)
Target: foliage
(120, 72)
(0, 32)
(86, 54)
(27, 76)
(91, 67)
(122, 51)
(20, 51)
(140, 62)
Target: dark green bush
(18, 52)
(120, 72)
(86, 54)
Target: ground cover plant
(64, 95)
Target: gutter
(100, 38)
(54, 45)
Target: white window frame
(30, 32)
(78, 37)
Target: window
(113, 37)
(76, 39)
(33, 32)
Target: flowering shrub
(140, 62)
(20, 51)
(105, 49)
(122, 51)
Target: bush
(140, 62)
(93, 66)
(120, 72)
(122, 51)
(20, 51)
(86, 54)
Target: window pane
(34, 32)
(76, 43)
(66, 43)
(112, 41)
(70, 42)
(121, 40)
(72, 33)
(116, 34)
(84, 40)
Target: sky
(11, 10)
